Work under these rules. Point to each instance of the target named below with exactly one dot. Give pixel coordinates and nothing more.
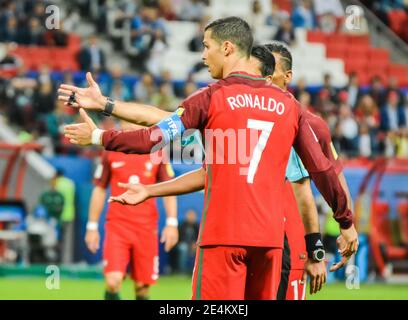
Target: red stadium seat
(357, 51)
(355, 65)
(398, 70)
(360, 40)
(336, 51)
(316, 36)
(379, 54)
(337, 38)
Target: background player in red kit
(131, 233)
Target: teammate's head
(283, 69)
(225, 39)
(262, 59)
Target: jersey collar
(243, 74)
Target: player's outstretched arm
(323, 174)
(91, 98)
(140, 141)
(137, 193)
(92, 237)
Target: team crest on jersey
(149, 168)
(134, 179)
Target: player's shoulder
(318, 124)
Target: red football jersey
(323, 135)
(294, 228)
(119, 167)
(250, 127)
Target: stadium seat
(337, 38)
(378, 54)
(360, 40)
(317, 36)
(358, 51)
(334, 50)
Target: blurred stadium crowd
(366, 119)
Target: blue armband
(171, 127)
(295, 170)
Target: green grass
(169, 288)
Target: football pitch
(171, 288)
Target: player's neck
(239, 65)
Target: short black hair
(266, 58)
(283, 50)
(232, 29)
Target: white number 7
(266, 128)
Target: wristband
(108, 107)
(313, 242)
(92, 226)
(97, 136)
(172, 222)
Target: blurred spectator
(377, 91)
(159, 48)
(144, 88)
(44, 99)
(193, 10)
(120, 91)
(189, 88)
(364, 141)
(39, 12)
(393, 87)
(164, 98)
(20, 94)
(196, 43)
(92, 57)
(348, 131)
(35, 32)
(392, 116)
(187, 244)
(329, 13)
(40, 136)
(166, 10)
(327, 85)
(117, 88)
(367, 112)
(277, 16)
(66, 188)
(55, 123)
(300, 88)
(285, 33)
(146, 29)
(256, 18)
(71, 20)
(9, 33)
(324, 104)
(57, 37)
(303, 16)
(305, 101)
(53, 200)
(45, 75)
(353, 90)
(9, 63)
